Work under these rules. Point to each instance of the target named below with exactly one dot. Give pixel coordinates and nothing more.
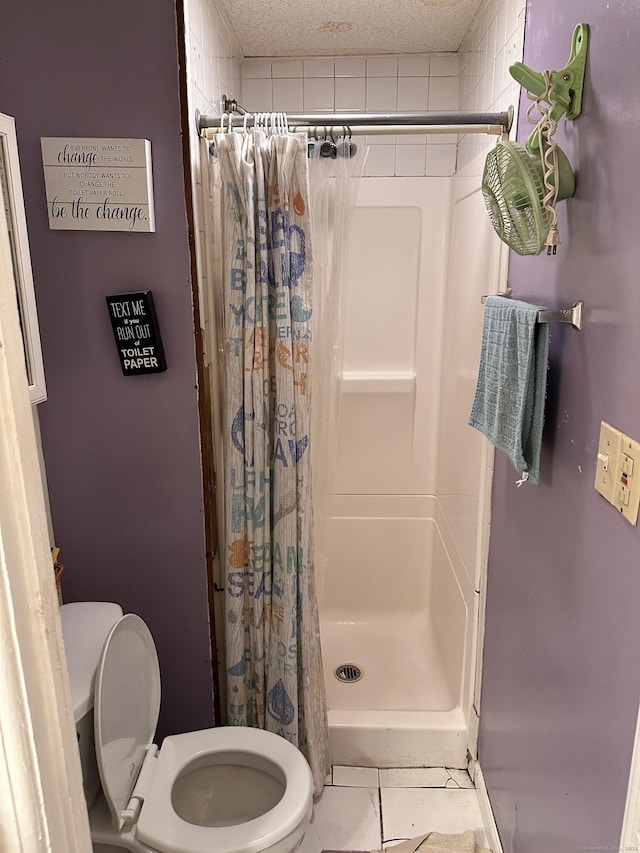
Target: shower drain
(348, 672)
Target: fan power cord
(546, 127)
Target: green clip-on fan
(513, 183)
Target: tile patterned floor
(363, 808)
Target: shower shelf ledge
(379, 382)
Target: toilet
(219, 790)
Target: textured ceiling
(337, 27)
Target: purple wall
(122, 454)
(561, 676)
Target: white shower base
(392, 606)
(401, 713)
(401, 663)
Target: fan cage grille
(513, 192)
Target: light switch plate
(607, 461)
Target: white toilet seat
(138, 783)
(160, 827)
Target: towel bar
(571, 315)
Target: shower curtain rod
(372, 123)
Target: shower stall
(401, 593)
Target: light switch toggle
(607, 475)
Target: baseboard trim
(489, 820)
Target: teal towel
(512, 382)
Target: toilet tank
(85, 626)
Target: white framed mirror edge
(22, 259)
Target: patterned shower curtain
(274, 664)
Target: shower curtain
(334, 184)
(274, 665)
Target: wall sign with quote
(135, 329)
(98, 184)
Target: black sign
(136, 331)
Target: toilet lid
(126, 708)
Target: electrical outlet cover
(629, 449)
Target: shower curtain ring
(245, 122)
(334, 145)
(312, 141)
(230, 123)
(222, 122)
(327, 148)
(353, 148)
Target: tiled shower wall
(213, 70)
(213, 56)
(378, 84)
(493, 43)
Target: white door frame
(42, 806)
